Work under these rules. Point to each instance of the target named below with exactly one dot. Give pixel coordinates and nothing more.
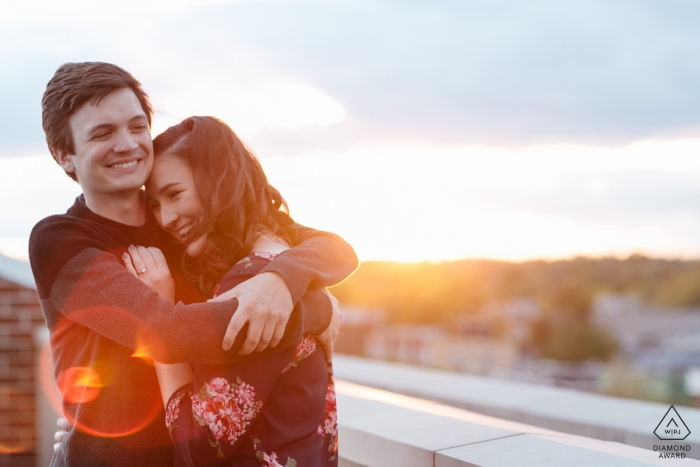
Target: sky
(416, 130)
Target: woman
(277, 407)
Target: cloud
(452, 73)
(500, 72)
(417, 203)
(544, 120)
(38, 11)
(290, 106)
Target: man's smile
(125, 164)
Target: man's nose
(125, 142)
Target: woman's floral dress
(276, 409)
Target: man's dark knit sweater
(102, 319)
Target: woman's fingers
(60, 435)
(139, 264)
(147, 258)
(129, 265)
(63, 423)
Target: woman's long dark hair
(238, 201)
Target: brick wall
(20, 314)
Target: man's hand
(265, 303)
(327, 338)
(62, 434)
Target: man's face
(113, 147)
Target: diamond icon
(672, 426)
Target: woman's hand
(62, 433)
(327, 338)
(265, 303)
(150, 266)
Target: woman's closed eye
(174, 194)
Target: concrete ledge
(383, 429)
(591, 415)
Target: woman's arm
(171, 377)
(151, 268)
(209, 417)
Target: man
(104, 322)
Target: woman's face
(172, 196)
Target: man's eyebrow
(107, 126)
(138, 117)
(102, 126)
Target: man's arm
(77, 278)
(93, 289)
(320, 259)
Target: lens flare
(79, 384)
(145, 418)
(100, 382)
(142, 353)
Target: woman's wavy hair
(238, 201)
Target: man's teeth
(125, 165)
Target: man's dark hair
(72, 85)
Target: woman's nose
(168, 217)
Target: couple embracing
(189, 321)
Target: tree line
(435, 293)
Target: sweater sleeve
(80, 280)
(320, 259)
(94, 290)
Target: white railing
(379, 428)
(534, 423)
(383, 429)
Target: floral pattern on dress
(247, 261)
(265, 254)
(173, 409)
(306, 347)
(226, 409)
(329, 425)
(270, 460)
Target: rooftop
(506, 424)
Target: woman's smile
(173, 197)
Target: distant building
(357, 326)
(652, 338)
(486, 342)
(20, 317)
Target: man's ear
(65, 160)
